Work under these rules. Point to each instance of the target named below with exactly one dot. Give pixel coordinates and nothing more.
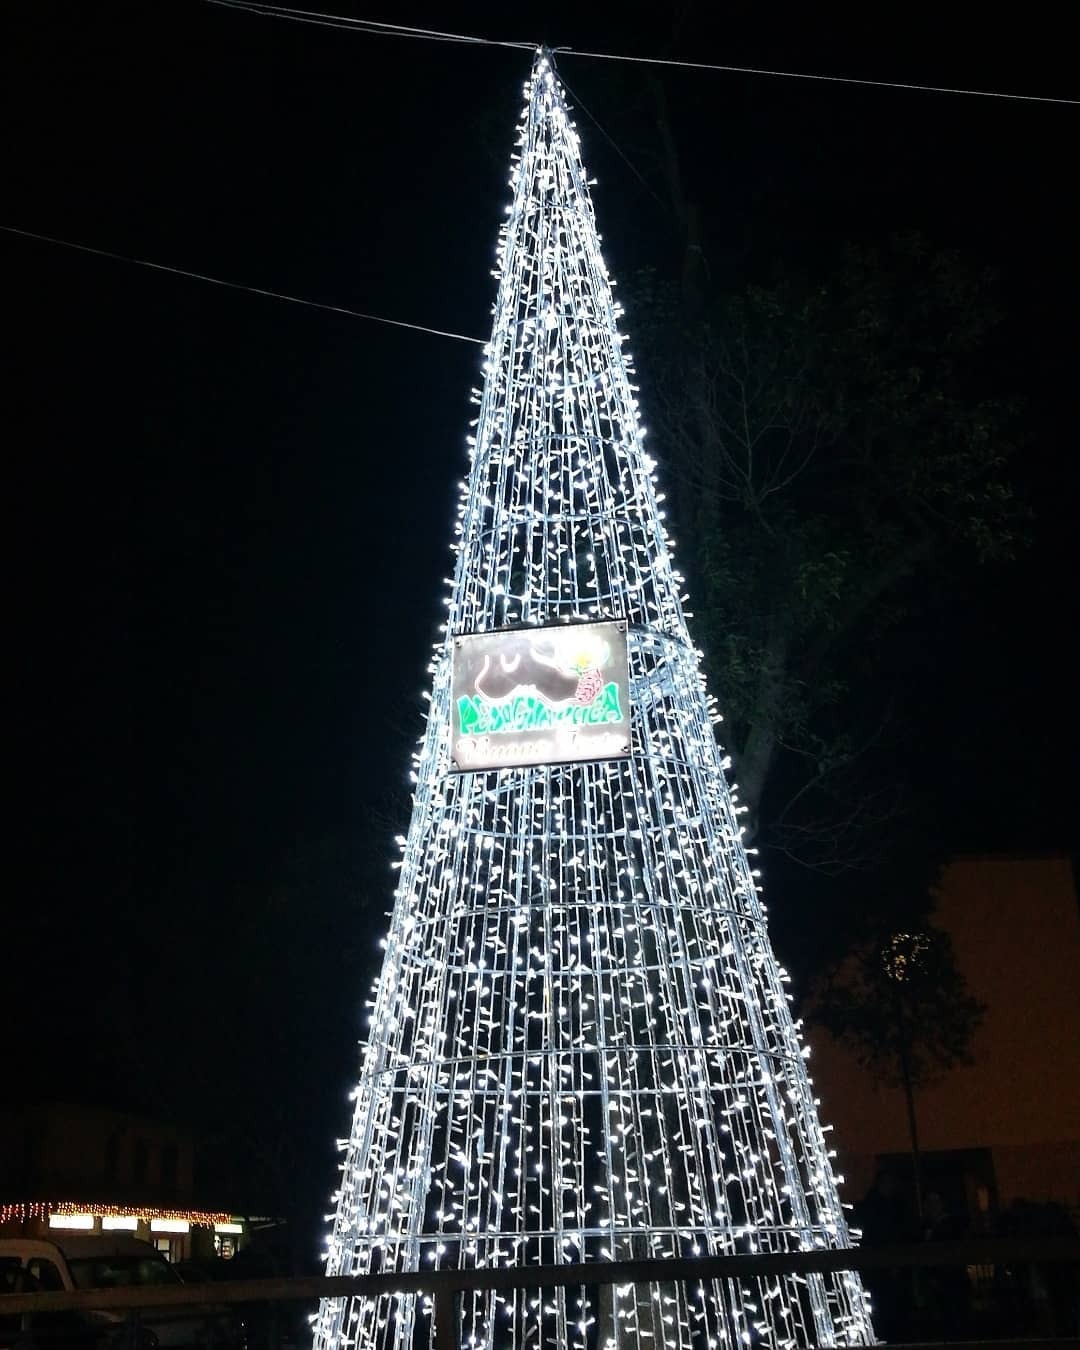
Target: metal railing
(445, 1286)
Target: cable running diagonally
(434, 35)
(238, 285)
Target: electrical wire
(618, 150)
(240, 286)
(804, 75)
(365, 25)
(434, 35)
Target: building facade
(89, 1169)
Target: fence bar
(970, 1252)
(1027, 1343)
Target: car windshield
(13, 1279)
(115, 1272)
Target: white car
(48, 1330)
(117, 1261)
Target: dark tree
(834, 460)
(903, 1006)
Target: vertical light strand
(580, 1045)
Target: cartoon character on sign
(585, 655)
(579, 656)
(551, 681)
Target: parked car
(55, 1330)
(119, 1261)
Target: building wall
(58, 1151)
(105, 1165)
(1015, 925)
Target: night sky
(229, 516)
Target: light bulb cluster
(903, 954)
(23, 1211)
(580, 1045)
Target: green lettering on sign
(477, 716)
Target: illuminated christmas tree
(580, 1046)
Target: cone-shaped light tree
(580, 1046)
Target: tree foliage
(835, 456)
(903, 1006)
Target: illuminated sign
(71, 1221)
(540, 696)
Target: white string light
(580, 1045)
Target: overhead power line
(434, 35)
(806, 75)
(240, 286)
(365, 25)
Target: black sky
(230, 516)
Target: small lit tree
(905, 1009)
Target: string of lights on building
(580, 1046)
(75, 1214)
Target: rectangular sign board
(539, 696)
